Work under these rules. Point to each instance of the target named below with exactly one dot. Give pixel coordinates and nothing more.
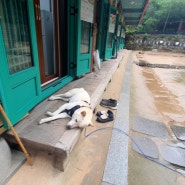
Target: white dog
(78, 108)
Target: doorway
(49, 30)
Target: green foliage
(145, 37)
(163, 16)
(178, 37)
(163, 36)
(130, 29)
(139, 28)
(150, 24)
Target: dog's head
(81, 118)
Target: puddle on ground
(165, 100)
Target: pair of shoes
(110, 103)
(104, 116)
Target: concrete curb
(116, 168)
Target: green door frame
(84, 59)
(74, 59)
(15, 88)
(105, 39)
(79, 63)
(72, 35)
(31, 75)
(110, 51)
(72, 40)
(103, 13)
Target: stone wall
(147, 43)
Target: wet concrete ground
(157, 94)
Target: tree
(163, 16)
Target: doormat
(179, 132)
(173, 155)
(150, 127)
(146, 146)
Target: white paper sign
(119, 29)
(87, 10)
(123, 34)
(112, 23)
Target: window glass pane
(110, 38)
(15, 26)
(85, 37)
(48, 35)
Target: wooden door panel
(19, 74)
(47, 39)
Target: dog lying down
(77, 108)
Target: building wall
(21, 85)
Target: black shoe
(110, 100)
(103, 118)
(99, 113)
(110, 103)
(105, 112)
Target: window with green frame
(15, 26)
(85, 37)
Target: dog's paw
(51, 98)
(49, 113)
(41, 122)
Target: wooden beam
(144, 10)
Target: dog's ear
(83, 113)
(91, 124)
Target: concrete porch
(53, 137)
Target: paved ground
(156, 94)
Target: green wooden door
(72, 36)
(111, 33)
(19, 72)
(84, 60)
(103, 24)
(85, 36)
(79, 36)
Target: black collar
(71, 111)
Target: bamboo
(29, 160)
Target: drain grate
(146, 146)
(179, 132)
(150, 127)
